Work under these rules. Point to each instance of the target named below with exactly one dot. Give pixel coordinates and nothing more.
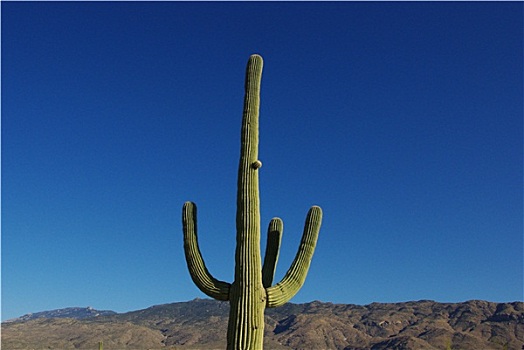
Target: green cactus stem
(274, 238)
(252, 290)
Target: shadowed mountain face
(202, 324)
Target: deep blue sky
(402, 120)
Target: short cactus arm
(205, 282)
(282, 292)
(274, 237)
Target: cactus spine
(252, 290)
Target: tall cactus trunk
(248, 297)
(252, 290)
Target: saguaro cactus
(252, 290)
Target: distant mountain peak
(69, 312)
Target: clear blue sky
(403, 121)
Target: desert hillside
(201, 324)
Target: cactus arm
(199, 274)
(274, 237)
(283, 291)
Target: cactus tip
(255, 57)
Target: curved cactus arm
(274, 237)
(282, 292)
(199, 274)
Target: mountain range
(70, 312)
(202, 324)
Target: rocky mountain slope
(201, 324)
